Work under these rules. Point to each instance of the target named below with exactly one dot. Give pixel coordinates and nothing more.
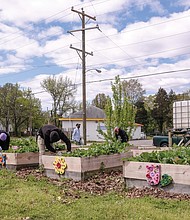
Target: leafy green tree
(171, 99)
(62, 92)
(100, 100)
(9, 92)
(161, 108)
(149, 105)
(35, 118)
(133, 90)
(16, 108)
(183, 96)
(141, 115)
(119, 112)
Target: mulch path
(101, 184)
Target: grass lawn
(31, 198)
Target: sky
(146, 40)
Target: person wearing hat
(47, 135)
(121, 135)
(4, 140)
(76, 134)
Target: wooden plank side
(134, 170)
(73, 163)
(22, 158)
(103, 161)
(11, 158)
(179, 173)
(27, 158)
(137, 170)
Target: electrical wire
(130, 77)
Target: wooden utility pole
(82, 16)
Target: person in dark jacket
(121, 134)
(47, 135)
(4, 140)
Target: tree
(32, 107)
(16, 108)
(100, 100)
(184, 96)
(141, 115)
(161, 108)
(149, 105)
(119, 112)
(171, 98)
(133, 90)
(62, 92)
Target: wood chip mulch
(101, 184)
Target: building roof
(92, 112)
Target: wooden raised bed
(134, 174)
(16, 161)
(80, 168)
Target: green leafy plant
(59, 146)
(177, 155)
(22, 145)
(97, 149)
(119, 112)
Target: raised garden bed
(23, 152)
(174, 163)
(16, 161)
(80, 168)
(134, 174)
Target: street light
(84, 102)
(97, 70)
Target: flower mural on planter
(153, 174)
(3, 159)
(60, 165)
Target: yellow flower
(59, 165)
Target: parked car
(162, 141)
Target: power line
(141, 76)
(49, 17)
(91, 66)
(130, 77)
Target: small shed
(94, 117)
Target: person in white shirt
(76, 135)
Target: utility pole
(82, 16)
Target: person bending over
(47, 135)
(121, 135)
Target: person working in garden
(47, 135)
(76, 135)
(121, 135)
(4, 140)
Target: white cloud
(124, 49)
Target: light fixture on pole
(97, 70)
